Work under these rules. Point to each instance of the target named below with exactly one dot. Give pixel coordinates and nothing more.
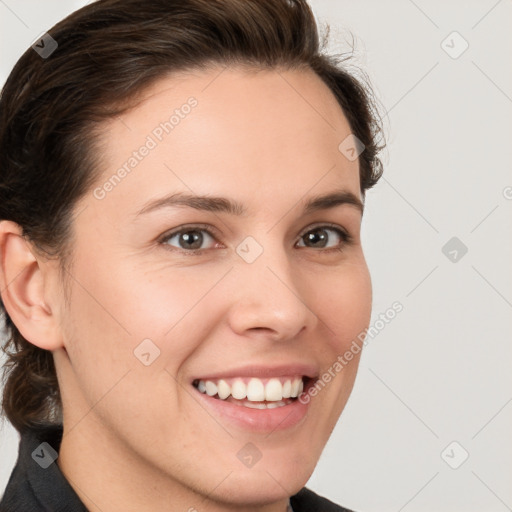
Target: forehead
(243, 131)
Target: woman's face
(273, 293)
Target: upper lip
(264, 371)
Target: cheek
(121, 307)
(115, 311)
(346, 305)
(345, 309)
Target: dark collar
(36, 482)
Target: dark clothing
(37, 484)
(31, 488)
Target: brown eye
(319, 238)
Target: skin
(134, 437)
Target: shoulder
(308, 501)
(36, 482)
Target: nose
(270, 298)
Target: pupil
(190, 239)
(320, 235)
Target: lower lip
(258, 420)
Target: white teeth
(255, 391)
(295, 388)
(223, 389)
(287, 389)
(211, 388)
(274, 391)
(271, 405)
(255, 406)
(239, 389)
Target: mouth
(254, 392)
(258, 398)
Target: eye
(189, 239)
(319, 238)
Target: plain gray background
(434, 385)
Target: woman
(182, 188)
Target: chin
(259, 487)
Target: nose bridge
(268, 294)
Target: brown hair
(108, 52)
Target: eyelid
(189, 227)
(336, 227)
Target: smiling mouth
(253, 392)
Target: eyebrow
(225, 205)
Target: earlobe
(22, 285)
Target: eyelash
(346, 239)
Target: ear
(24, 279)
